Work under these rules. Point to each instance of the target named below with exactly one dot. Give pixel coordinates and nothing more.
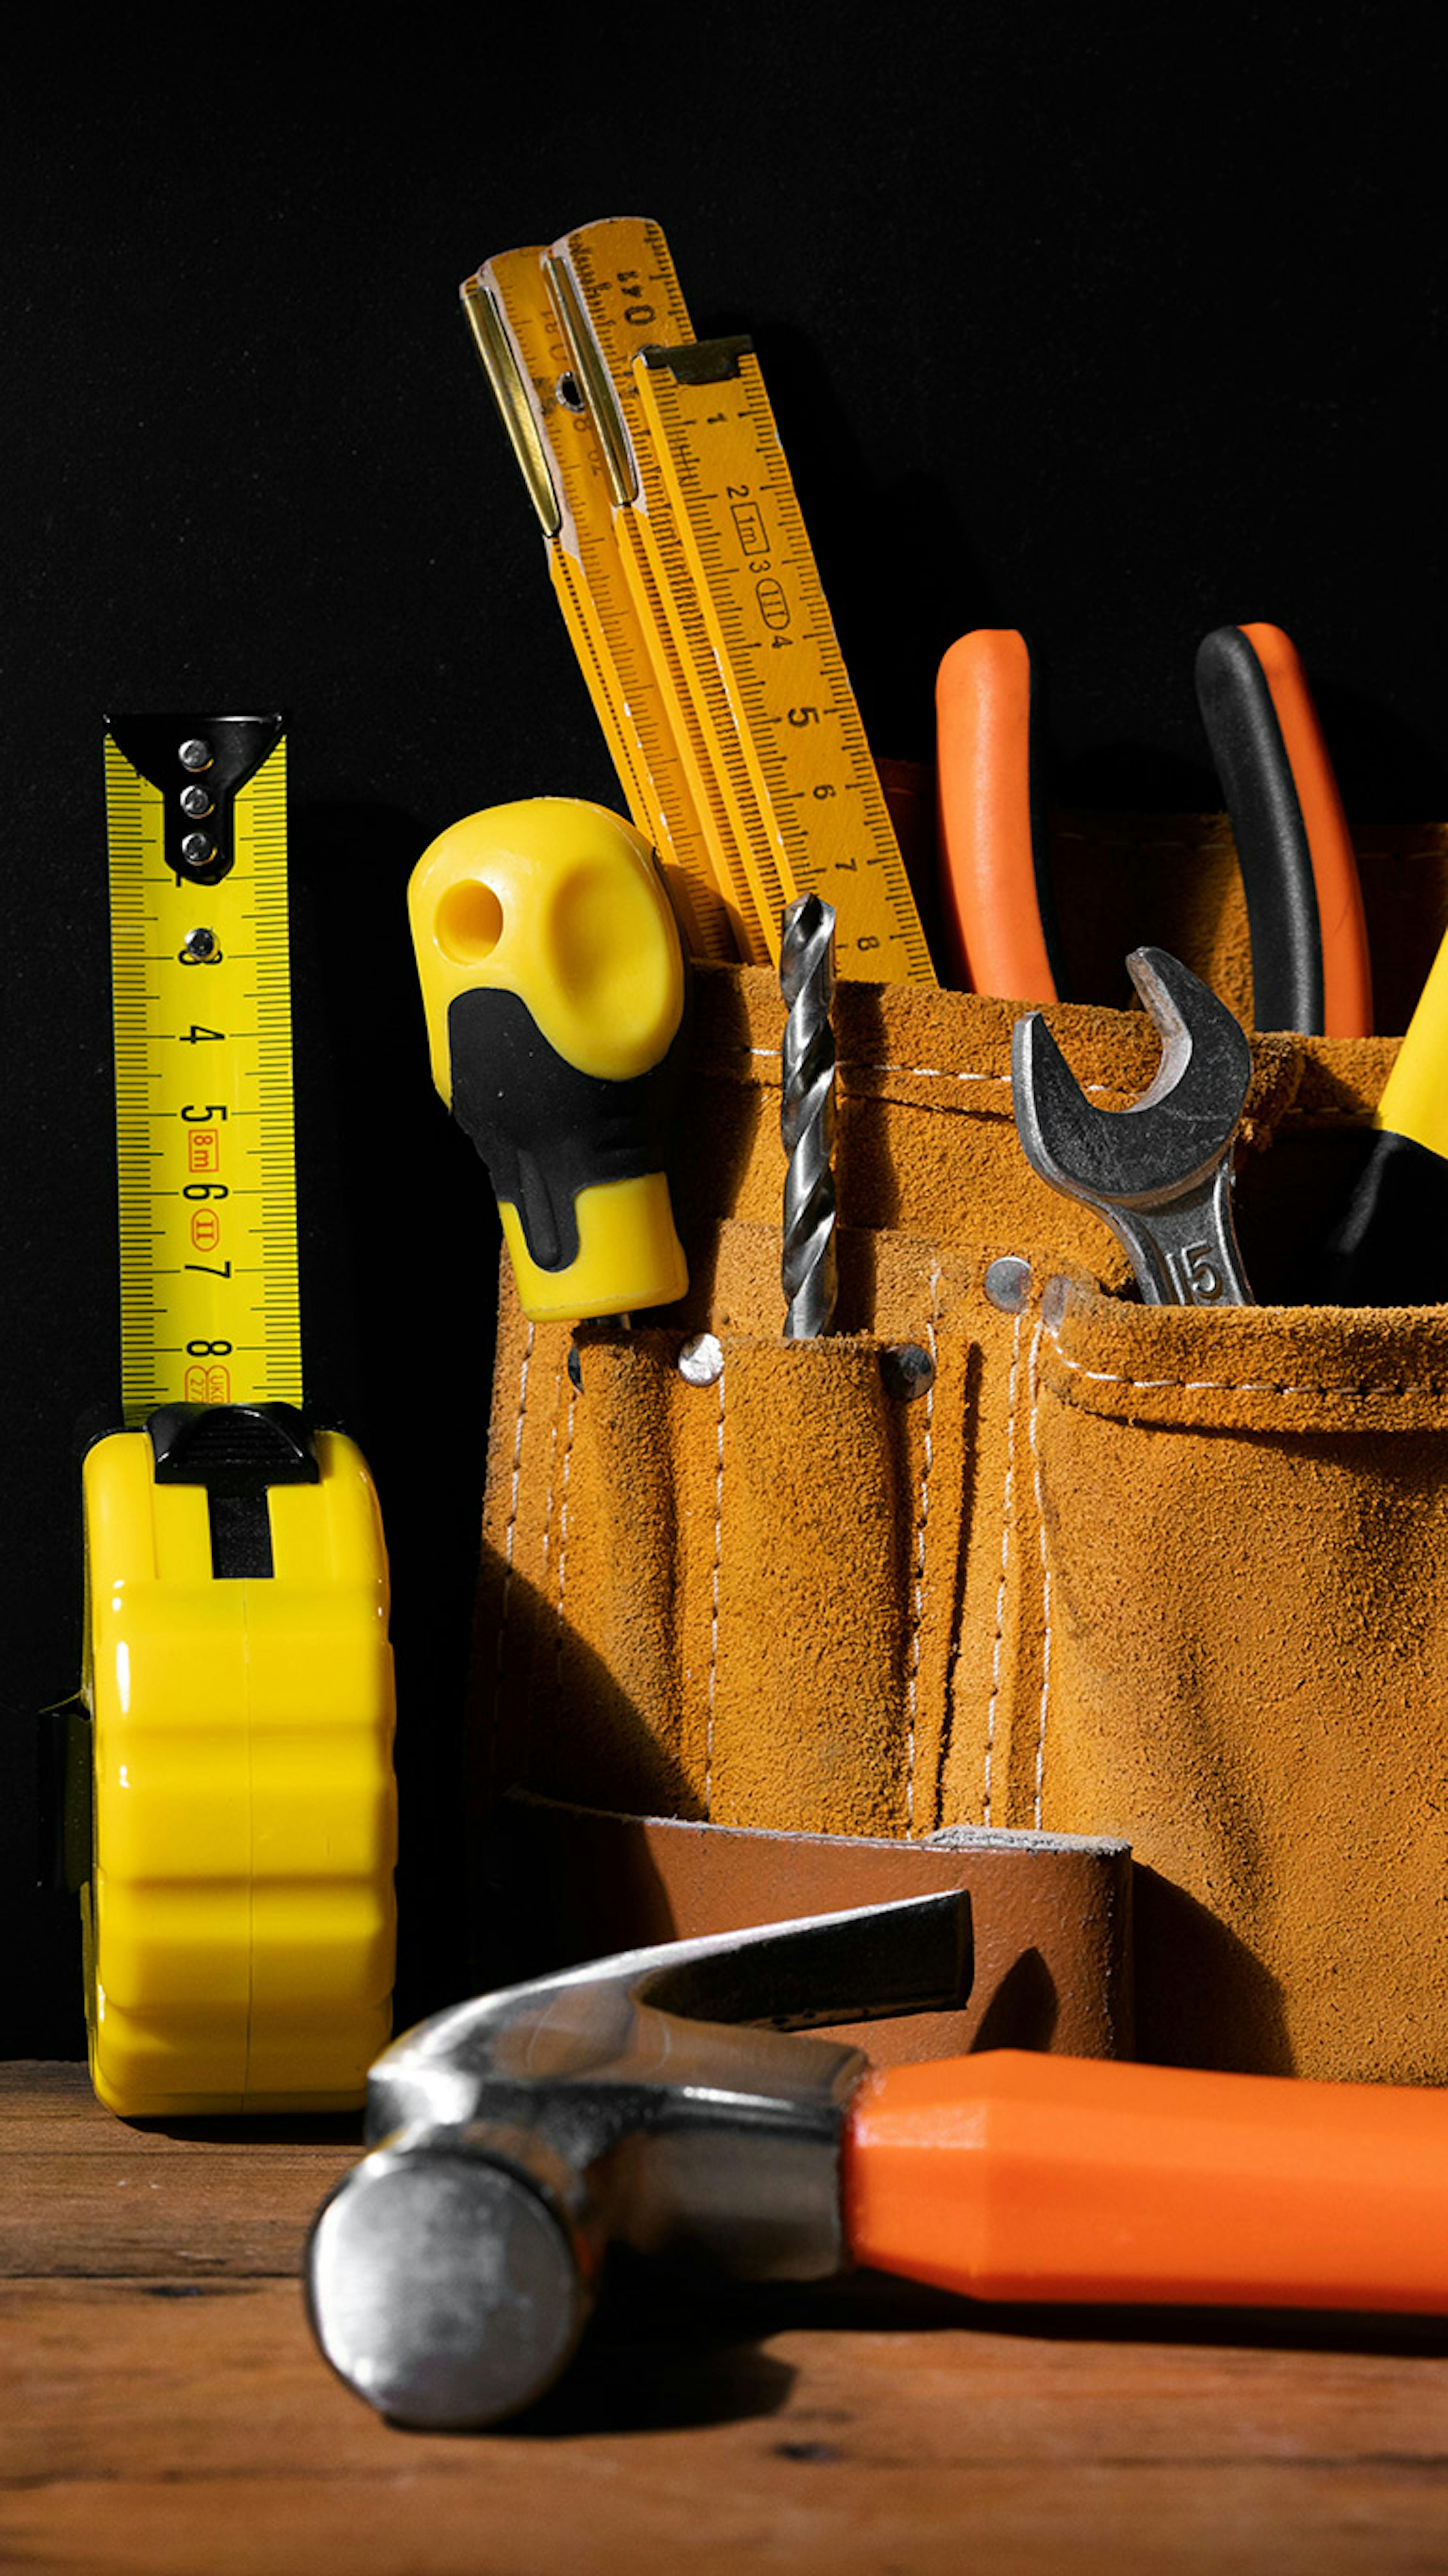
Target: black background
(1112, 329)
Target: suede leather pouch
(1158, 1576)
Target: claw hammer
(665, 2100)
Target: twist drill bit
(807, 1116)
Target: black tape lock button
(236, 1451)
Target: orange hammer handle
(989, 891)
(1013, 2176)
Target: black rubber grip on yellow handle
(1267, 823)
(545, 1130)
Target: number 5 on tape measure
(226, 1812)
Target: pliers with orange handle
(1310, 968)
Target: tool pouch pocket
(1243, 1525)
(1009, 1554)
(726, 1617)
(720, 1590)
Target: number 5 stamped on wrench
(1159, 1173)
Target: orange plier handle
(995, 889)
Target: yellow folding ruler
(227, 1808)
(680, 559)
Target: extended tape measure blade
(201, 1005)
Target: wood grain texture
(163, 2408)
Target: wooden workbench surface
(165, 2409)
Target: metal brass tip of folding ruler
(510, 393)
(594, 382)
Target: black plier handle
(1310, 966)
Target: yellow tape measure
(227, 1792)
(680, 558)
(201, 997)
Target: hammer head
(661, 2099)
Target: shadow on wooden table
(284, 2129)
(663, 2356)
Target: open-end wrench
(1159, 1173)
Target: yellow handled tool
(555, 988)
(227, 1814)
(680, 559)
(1390, 1246)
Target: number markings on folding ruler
(616, 291)
(204, 1131)
(642, 568)
(769, 625)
